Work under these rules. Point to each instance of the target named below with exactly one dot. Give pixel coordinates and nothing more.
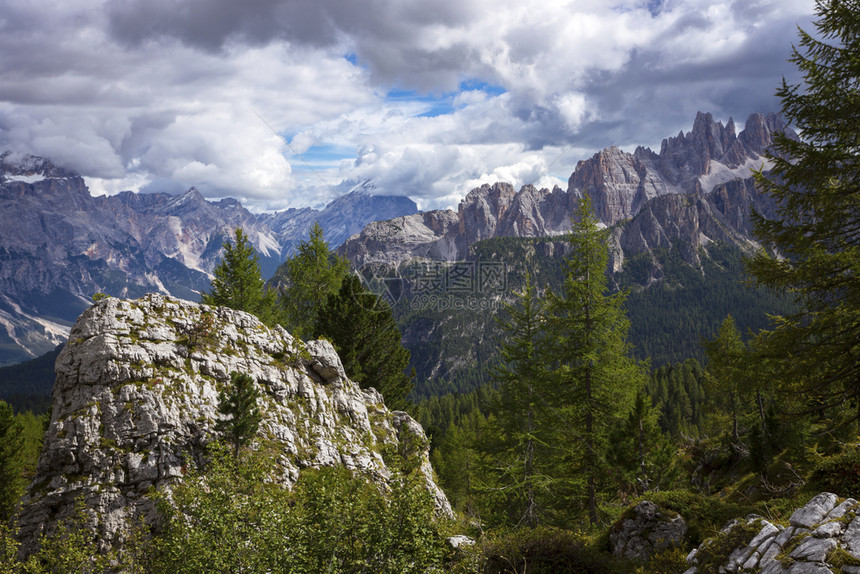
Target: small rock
(828, 530)
(813, 549)
(460, 540)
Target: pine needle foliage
(238, 281)
(595, 376)
(814, 243)
(238, 404)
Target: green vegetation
(11, 462)
(230, 518)
(307, 280)
(595, 377)
(814, 244)
(238, 283)
(238, 405)
(360, 326)
(518, 442)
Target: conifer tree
(726, 357)
(361, 327)
(595, 376)
(238, 282)
(312, 274)
(238, 404)
(815, 240)
(519, 442)
(11, 462)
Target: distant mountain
(620, 185)
(680, 223)
(59, 245)
(342, 218)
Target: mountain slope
(59, 245)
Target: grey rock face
(647, 531)
(703, 177)
(817, 529)
(135, 402)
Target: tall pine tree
(238, 282)
(520, 442)
(595, 376)
(815, 240)
(727, 355)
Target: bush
(839, 473)
(546, 550)
(230, 519)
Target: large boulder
(135, 402)
(645, 530)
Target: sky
(291, 103)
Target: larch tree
(814, 242)
(238, 281)
(727, 355)
(519, 446)
(309, 277)
(594, 374)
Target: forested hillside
(672, 305)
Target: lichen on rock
(135, 402)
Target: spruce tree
(361, 327)
(238, 404)
(309, 277)
(520, 440)
(814, 242)
(595, 377)
(238, 282)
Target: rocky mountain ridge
(135, 402)
(59, 245)
(696, 167)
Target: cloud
(427, 98)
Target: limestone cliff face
(135, 402)
(689, 169)
(620, 184)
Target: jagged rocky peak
(711, 154)
(29, 168)
(482, 209)
(135, 402)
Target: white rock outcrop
(822, 537)
(135, 402)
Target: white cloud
(150, 94)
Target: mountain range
(697, 188)
(59, 245)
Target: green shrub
(229, 519)
(546, 550)
(839, 473)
